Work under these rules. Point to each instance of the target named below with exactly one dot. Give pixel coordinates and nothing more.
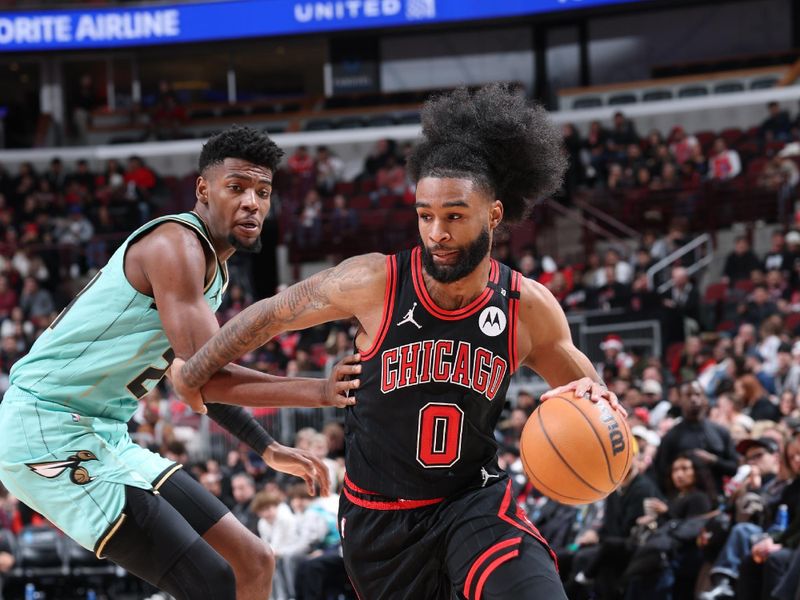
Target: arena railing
(703, 243)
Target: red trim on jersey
(492, 566)
(355, 589)
(388, 308)
(441, 313)
(349, 483)
(399, 504)
(482, 558)
(521, 521)
(513, 318)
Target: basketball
(576, 451)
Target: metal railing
(667, 262)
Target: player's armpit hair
(239, 423)
(240, 142)
(496, 138)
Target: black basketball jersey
(433, 386)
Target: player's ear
(495, 214)
(201, 189)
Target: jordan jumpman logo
(409, 318)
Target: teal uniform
(65, 447)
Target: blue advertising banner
(197, 22)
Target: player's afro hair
(496, 138)
(240, 142)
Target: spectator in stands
(777, 126)
(604, 554)
(7, 559)
(683, 296)
(8, 297)
(622, 135)
(243, 489)
(675, 238)
(391, 178)
(616, 361)
(277, 527)
(787, 374)
(168, 117)
(329, 169)
(682, 146)
(724, 163)
(760, 307)
(596, 152)
(377, 158)
(309, 225)
(690, 493)
(55, 176)
(212, 481)
(756, 400)
(572, 146)
(343, 220)
(741, 546)
(85, 101)
(776, 257)
(37, 303)
(83, 176)
(740, 263)
(711, 443)
(611, 293)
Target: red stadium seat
(744, 285)
(715, 293)
(792, 322)
(731, 135)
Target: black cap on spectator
(784, 347)
(768, 444)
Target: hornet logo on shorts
(53, 468)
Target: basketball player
(65, 449)
(425, 510)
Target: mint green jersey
(108, 348)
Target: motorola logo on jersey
(443, 361)
(492, 321)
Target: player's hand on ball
(586, 386)
(187, 395)
(301, 463)
(340, 384)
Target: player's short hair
(240, 142)
(496, 138)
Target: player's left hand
(187, 395)
(339, 383)
(586, 386)
(301, 463)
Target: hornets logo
(77, 473)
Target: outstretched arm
(353, 288)
(545, 345)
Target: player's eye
(455, 217)
(425, 217)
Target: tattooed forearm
(302, 305)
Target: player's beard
(253, 248)
(469, 258)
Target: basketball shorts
(478, 546)
(71, 468)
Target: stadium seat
(587, 102)
(656, 95)
(318, 125)
(729, 87)
(40, 551)
(763, 84)
(744, 285)
(263, 109)
(715, 292)
(232, 111)
(360, 202)
(622, 99)
(731, 135)
(204, 113)
(380, 121)
(351, 123)
(792, 323)
(409, 119)
(692, 91)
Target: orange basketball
(574, 450)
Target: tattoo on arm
(257, 324)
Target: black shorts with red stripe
(478, 545)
